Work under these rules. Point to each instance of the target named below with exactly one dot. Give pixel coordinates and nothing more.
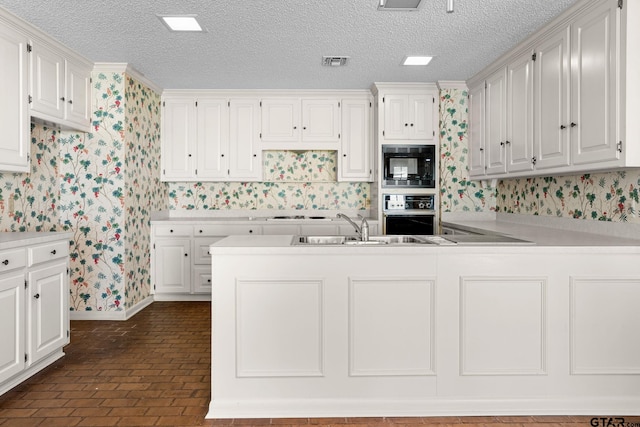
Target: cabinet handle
(5, 262)
(53, 252)
(255, 155)
(170, 231)
(562, 127)
(411, 124)
(295, 127)
(573, 124)
(344, 155)
(189, 155)
(304, 128)
(221, 155)
(481, 149)
(250, 231)
(62, 99)
(406, 124)
(200, 231)
(208, 280)
(507, 142)
(71, 101)
(501, 143)
(186, 254)
(36, 296)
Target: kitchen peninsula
(425, 329)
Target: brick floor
(154, 370)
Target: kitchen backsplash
(611, 196)
(292, 180)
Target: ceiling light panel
(181, 22)
(417, 60)
(399, 5)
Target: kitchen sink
(355, 240)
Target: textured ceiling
(279, 44)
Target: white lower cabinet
(34, 306)
(180, 259)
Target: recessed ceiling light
(181, 22)
(399, 5)
(417, 60)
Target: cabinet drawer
(12, 259)
(172, 230)
(48, 252)
(225, 230)
(201, 249)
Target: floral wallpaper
(457, 192)
(292, 180)
(107, 194)
(29, 202)
(611, 196)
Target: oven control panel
(408, 202)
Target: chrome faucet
(362, 229)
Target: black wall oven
(409, 166)
(409, 214)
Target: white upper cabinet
(245, 162)
(60, 88)
(476, 130)
(569, 106)
(593, 92)
(495, 122)
(519, 138)
(300, 123)
(14, 106)
(179, 127)
(212, 135)
(551, 101)
(280, 120)
(409, 117)
(210, 139)
(355, 157)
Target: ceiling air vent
(334, 61)
(399, 5)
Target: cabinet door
(422, 110)
(47, 82)
(14, 108)
(245, 161)
(178, 138)
(280, 120)
(396, 117)
(476, 130)
(172, 266)
(593, 79)
(355, 155)
(495, 122)
(213, 139)
(12, 321)
(48, 310)
(202, 279)
(551, 101)
(519, 139)
(320, 120)
(78, 98)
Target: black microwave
(410, 166)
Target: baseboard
(182, 297)
(112, 315)
(330, 408)
(30, 371)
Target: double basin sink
(355, 240)
(458, 240)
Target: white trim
(434, 406)
(31, 371)
(452, 84)
(112, 315)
